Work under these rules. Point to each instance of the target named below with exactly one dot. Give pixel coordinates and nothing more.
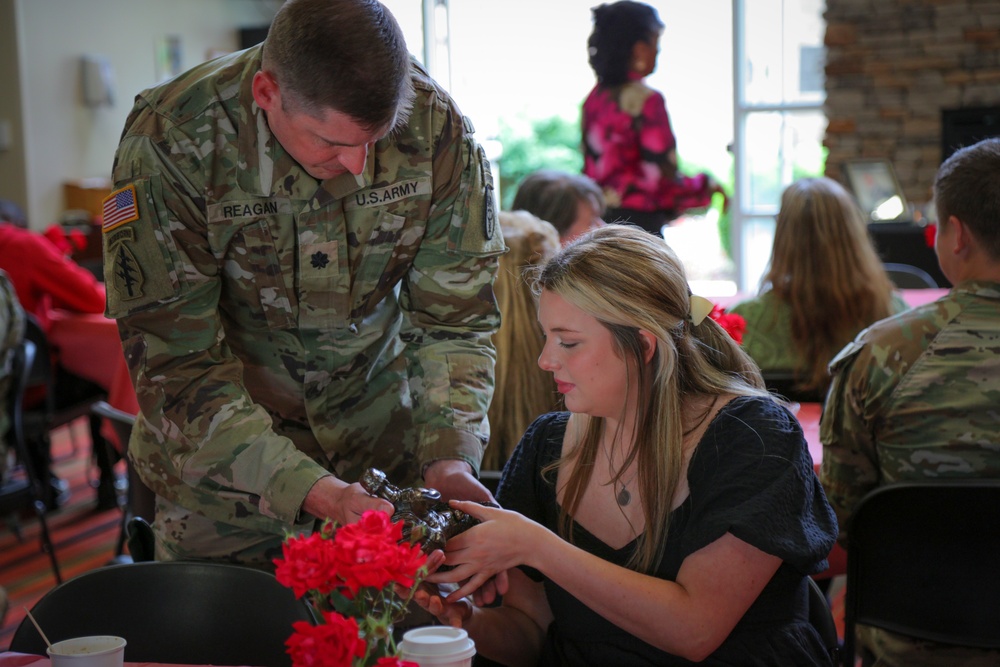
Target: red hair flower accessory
(735, 325)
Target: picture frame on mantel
(876, 189)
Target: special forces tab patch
(119, 208)
(126, 274)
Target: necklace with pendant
(624, 497)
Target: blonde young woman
(825, 283)
(672, 514)
(522, 391)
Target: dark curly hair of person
(617, 28)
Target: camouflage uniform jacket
(11, 334)
(279, 328)
(915, 396)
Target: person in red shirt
(44, 278)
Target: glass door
(778, 59)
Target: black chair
(821, 617)
(491, 479)
(140, 501)
(173, 612)
(61, 405)
(24, 488)
(921, 561)
(907, 276)
(785, 384)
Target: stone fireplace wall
(892, 67)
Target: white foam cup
(438, 646)
(96, 651)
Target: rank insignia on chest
(319, 260)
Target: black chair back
(173, 612)
(907, 276)
(785, 384)
(140, 501)
(25, 488)
(921, 561)
(821, 617)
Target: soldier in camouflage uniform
(300, 254)
(915, 396)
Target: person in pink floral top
(629, 147)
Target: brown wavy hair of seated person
(825, 267)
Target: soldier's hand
(344, 503)
(454, 479)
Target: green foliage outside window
(529, 145)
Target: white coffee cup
(438, 646)
(96, 651)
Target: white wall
(66, 140)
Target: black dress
(751, 475)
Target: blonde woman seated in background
(824, 284)
(523, 390)
(671, 515)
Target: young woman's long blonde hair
(630, 280)
(523, 391)
(825, 268)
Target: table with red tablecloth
(89, 346)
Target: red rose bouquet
(359, 578)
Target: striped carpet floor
(84, 537)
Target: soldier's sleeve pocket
(479, 232)
(139, 256)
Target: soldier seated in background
(929, 362)
(11, 334)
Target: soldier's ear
(962, 237)
(266, 93)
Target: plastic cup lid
(437, 640)
(80, 646)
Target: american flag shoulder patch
(119, 207)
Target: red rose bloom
(368, 554)
(309, 563)
(334, 643)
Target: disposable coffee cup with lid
(438, 646)
(95, 651)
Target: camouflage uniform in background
(916, 396)
(279, 328)
(11, 335)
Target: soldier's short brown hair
(968, 187)
(346, 55)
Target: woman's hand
(501, 541)
(453, 613)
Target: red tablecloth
(913, 297)
(12, 659)
(89, 346)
